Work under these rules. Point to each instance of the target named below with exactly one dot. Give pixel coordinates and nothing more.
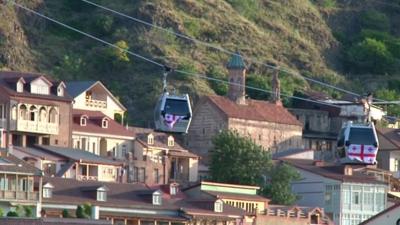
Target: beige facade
(96, 97)
(103, 144)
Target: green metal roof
(236, 62)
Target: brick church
(268, 123)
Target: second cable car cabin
(358, 143)
(173, 113)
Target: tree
(279, 187)
(236, 159)
(370, 56)
(65, 213)
(1, 212)
(258, 81)
(80, 212)
(120, 55)
(87, 209)
(375, 20)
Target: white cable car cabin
(173, 113)
(358, 143)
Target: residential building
(94, 96)
(323, 121)
(130, 204)
(258, 209)
(17, 184)
(97, 133)
(158, 158)
(32, 109)
(388, 216)
(71, 163)
(389, 150)
(51, 221)
(347, 194)
(268, 123)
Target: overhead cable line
(160, 64)
(220, 48)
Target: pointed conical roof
(236, 62)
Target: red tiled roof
(332, 171)
(93, 124)
(160, 138)
(254, 110)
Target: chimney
(348, 170)
(10, 150)
(276, 88)
(319, 163)
(237, 79)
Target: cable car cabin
(173, 113)
(358, 143)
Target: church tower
(237, 79)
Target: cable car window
(176, 107)
(362, 136)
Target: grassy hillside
(303, 35)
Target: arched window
(104, 123)
(53, 115)
(83, 120)
(23, 112)
(14, 112)
(42, 114)
(32, 113)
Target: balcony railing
(84, 177)
(37, 127)
(19, 195)
(96, 103)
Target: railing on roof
(19, 195)
(96, 103)
(84, 177)
(35, 126)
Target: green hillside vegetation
(306, 36)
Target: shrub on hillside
(370, 56)
(375, 20)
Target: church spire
(237, 79)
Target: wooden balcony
(35, 127)
(96, 103)
(84, 177)
(19, 196)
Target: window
(4, 184)
(141, 175)
(104, 123)
(83, 121)
(156, 175)
(218, 205)
(47, 192)
(173, 189)
(356, 198)
(396, 165)
(14, 112)
(171, 141)
(150, 139)
(157, 198)
(135, 174)
(101, 195)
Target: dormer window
(60, 89)
(41, 86)
(83, 120)
(218, 205)
(47, 190)
(20, 86)
(150, 139)
(171, 141)
(173, 188)
(104, 123)
(157, 200)
(101, 194)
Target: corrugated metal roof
(75, 88)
